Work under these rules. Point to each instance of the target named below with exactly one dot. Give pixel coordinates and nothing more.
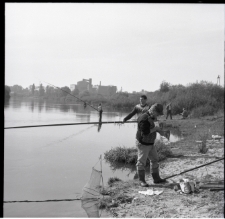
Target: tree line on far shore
(199, 99)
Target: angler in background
(100, 112)
(184, 114)
(169, 111)
(139, 108)
(145, 139)
(85, 105)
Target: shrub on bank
(121, 155)
(129, 155)
(112, 180)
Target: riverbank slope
(124, 199)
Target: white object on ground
(216, 137)
(150, 192)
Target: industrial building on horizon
(86, 84)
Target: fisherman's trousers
(169, 113)
(144, 152)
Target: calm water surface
(49, 163)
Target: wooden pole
(194, 168)
(65, 124)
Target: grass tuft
(129, 155)
(112, 180)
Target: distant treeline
(199, 99)
(7, 92)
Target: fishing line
(70, 94)
(70, 136)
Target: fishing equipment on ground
(187, 186)
(91, 192)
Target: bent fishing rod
(66, 124)
(69, 94)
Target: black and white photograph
(113, 110)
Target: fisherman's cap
(158, 108)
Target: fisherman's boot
(141, 175)
(157, 178)
(136, 175)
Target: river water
(54, 163)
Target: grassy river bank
(122, 199)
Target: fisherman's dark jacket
(147, 139)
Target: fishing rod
(194, 168)
(70, 94)
(65, 124)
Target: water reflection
(99, 127)
(83, 117)
(74, 108)
(15, 102)
(32, 105)
(6, 103)
(64, 107)
(40, 105)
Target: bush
(129, 155)
(121, 155)
(112, 180)
(206, 110)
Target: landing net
(91, 194)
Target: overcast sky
(133, 46)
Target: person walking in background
(100, 112)
(139, 108)
(169, 111)
(145, 139)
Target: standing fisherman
(145, 139)
(139, 108)
(169, 111)
(100, 112)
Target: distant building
(107, 90)
(85, 84)
(94, 89)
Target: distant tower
(218, 80)
(100, 83)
